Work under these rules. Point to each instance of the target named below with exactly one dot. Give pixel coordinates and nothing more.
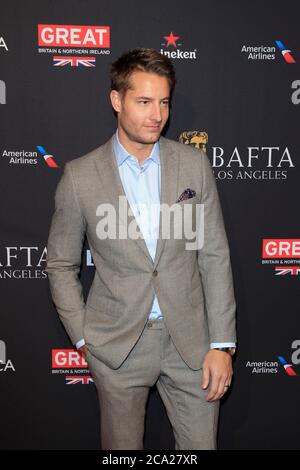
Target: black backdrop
(248, 105)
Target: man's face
(144, 110)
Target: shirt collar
(122, 154)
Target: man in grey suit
(159, 311)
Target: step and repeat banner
(238, 98)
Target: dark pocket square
(186, 194)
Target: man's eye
(165, 102)
(144, 102)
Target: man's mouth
(153, 128)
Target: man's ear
(115, 99)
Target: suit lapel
(112, 187)
(169, 186)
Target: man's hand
(217, 371)
(84, 351)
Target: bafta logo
(198, 139)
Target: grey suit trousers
(123, 394)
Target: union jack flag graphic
(48, 158)
(61, 61)
(287, 367)
(286, 53)
(79, 379)
(293, 271)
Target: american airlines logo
(286, 53)
(29, 157)
(288, 362)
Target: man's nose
(156, 113)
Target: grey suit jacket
(194, 287)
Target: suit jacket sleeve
(64, 251)
(214, 263)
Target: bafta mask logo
(198, 139)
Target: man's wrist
(80, 343)
(229, 350)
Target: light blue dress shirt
(142, 186)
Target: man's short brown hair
(145, 60)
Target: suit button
(155, 273)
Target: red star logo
(171, 39)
